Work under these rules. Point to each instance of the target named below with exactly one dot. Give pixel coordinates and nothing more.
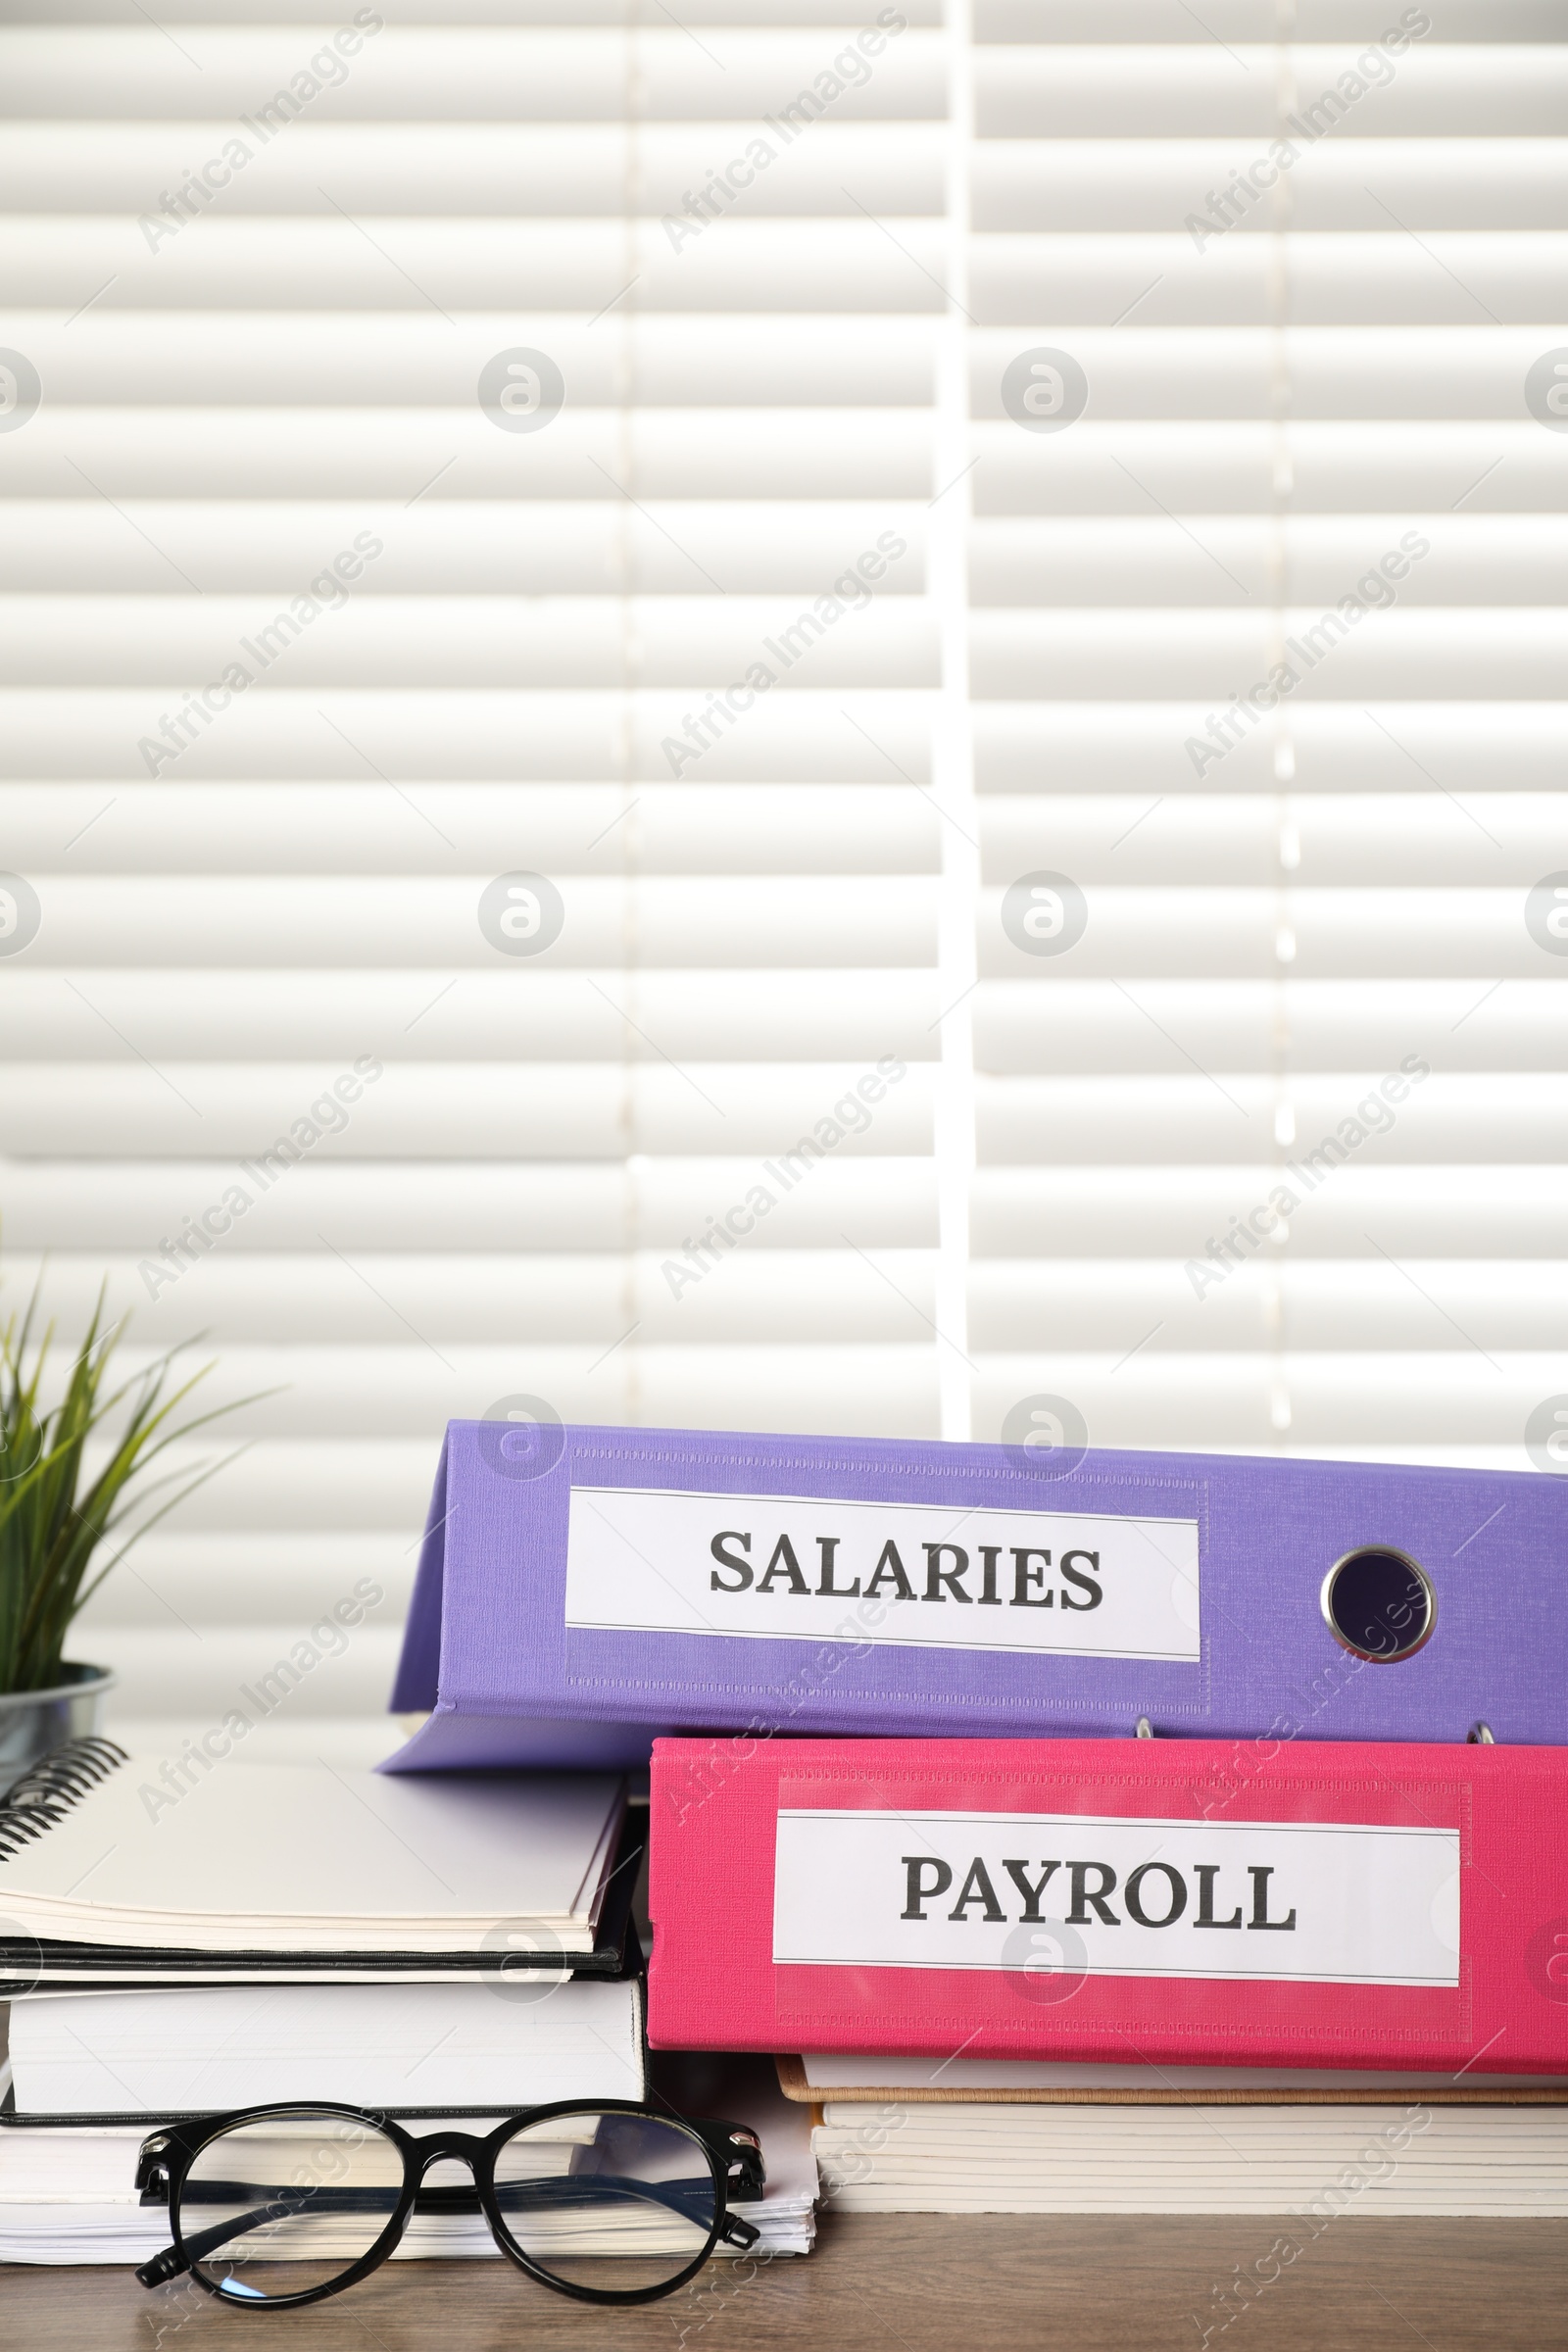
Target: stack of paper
(1400, 2157)
(745, 2089)
(301, 1933)
(69, 2196)
(200, 2050)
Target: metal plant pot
(32, 1722)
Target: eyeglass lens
(289, 2202)
(616, 2201)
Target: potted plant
(57, 1507)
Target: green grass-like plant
(52, 1523)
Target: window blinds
(645, 698)
(1267, 648)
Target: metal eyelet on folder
(1480, 1734)
(1379, 1604)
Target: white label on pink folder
(1086, 1894)
(772, 1566)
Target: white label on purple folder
(777, 1567)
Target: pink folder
(1163, 1901)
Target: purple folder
(582, 1591)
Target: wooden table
(923, 2283)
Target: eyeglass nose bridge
(439, 2146)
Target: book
(510, 1954)
(168, 2052)
(1309, 2165)
(304, 1860)
(844, 2075)
(679, 1580)
(1170, 1902)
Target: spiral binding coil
(46, 1794)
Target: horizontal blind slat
(1325, 1305)
(363, 829)
(392, 920)
(1165, 1026)
(417, 1109)
(1373, 650)
(1474, 183)
(1429, 88)
(1385, 1404)
(313, 1300)
(819, 15)
(316, 1016)
(238, 1579)
(1132, 562)
(462, 72)
(748, 454)
(464, 549)
(1433, 1119)
(1332, 467)
(429, 267)
(457, 1205)
(434, 170)
(325, 636)
(1335, 279)
(386, 358)
(1358, 372)
(409, 737)
(163, 1673)
(1335, 747)
(1313, 840)
(1077, 22)
(1415, 1211)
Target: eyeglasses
(611, 2203)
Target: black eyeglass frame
(732, 2153)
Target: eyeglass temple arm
(738, 2153)
(173, 2261)
(562, 2193)
(170, 2264)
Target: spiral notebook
(303, 1861)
